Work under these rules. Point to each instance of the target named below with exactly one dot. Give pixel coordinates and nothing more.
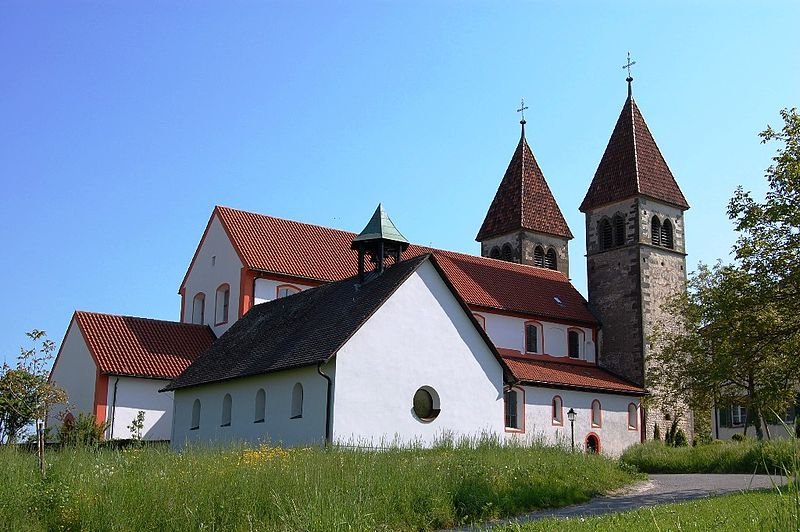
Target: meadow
(270, 488)
(747, 456)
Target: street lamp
(571, 416)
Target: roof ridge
(307, 224)
(635, 148)
(144, 318)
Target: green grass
(294, 489)
(748, 456)
(774, 510)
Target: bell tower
(635, 247)
(378, 244)
(523, 223)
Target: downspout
(113, 408)
(327, 405)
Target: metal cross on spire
(629, 79)
(521, 110)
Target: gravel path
(658, 489)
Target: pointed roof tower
(632, 165)
(378, 241)
(523, 200)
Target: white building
(113, 366)
(417, 341)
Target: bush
(81, 431)
(656, 432)
(680, 439)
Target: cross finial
(629, 79)
(521, 110)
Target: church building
(379, 341)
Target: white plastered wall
(509, 332)
(75, 372)
(277, 428)
(132, 395)
(267, 289)
(614, 433)
(421, 336)
(216, 263)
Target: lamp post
(571, 416)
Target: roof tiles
(564, 372)
(141, 347)
(523, 200)
(632, 165)
(282, 246)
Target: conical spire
(632, 165)
(523, 200)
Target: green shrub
(680, 439)
(83, 430)
(656, 432)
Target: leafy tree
(737, 329)
(25, 392)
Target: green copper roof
(380, 226)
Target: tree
(737, 329)
(25, 392)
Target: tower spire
(521, 110)
(629, 79)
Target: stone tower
(635, 250)
(524, 223)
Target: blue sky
(123, 124)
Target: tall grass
(270, 488)
(748, 456)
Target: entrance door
(592, 444)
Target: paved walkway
(658, 489)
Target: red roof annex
(142, 347)
(565, 372)
(278, 246)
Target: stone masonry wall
(523, 244)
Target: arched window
(633, 418)
(199, 309)
(655, 231)
(297, 401)
(481, 320)
(261, 406)
(619, 230)
(286, 290)
(533, 337)
(550, 260)
(597, 414)
(605, 234)
(495, 253)
(514, 412)
(226, 411)
(538, 257)
(222, 304)
(558, 411)
(506, 254)
(195, 415)
(575, 343)
(666, 235)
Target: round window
(426, 404)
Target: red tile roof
(562, 372)
(632, 165)
(141, 347)
(282, 246)
(523, 200)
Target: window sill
(194, 428)
(557, 423)
(225, 425)
(297, 417)
(515, 430)
(597, 426)
(221, 323)
(258, 421)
